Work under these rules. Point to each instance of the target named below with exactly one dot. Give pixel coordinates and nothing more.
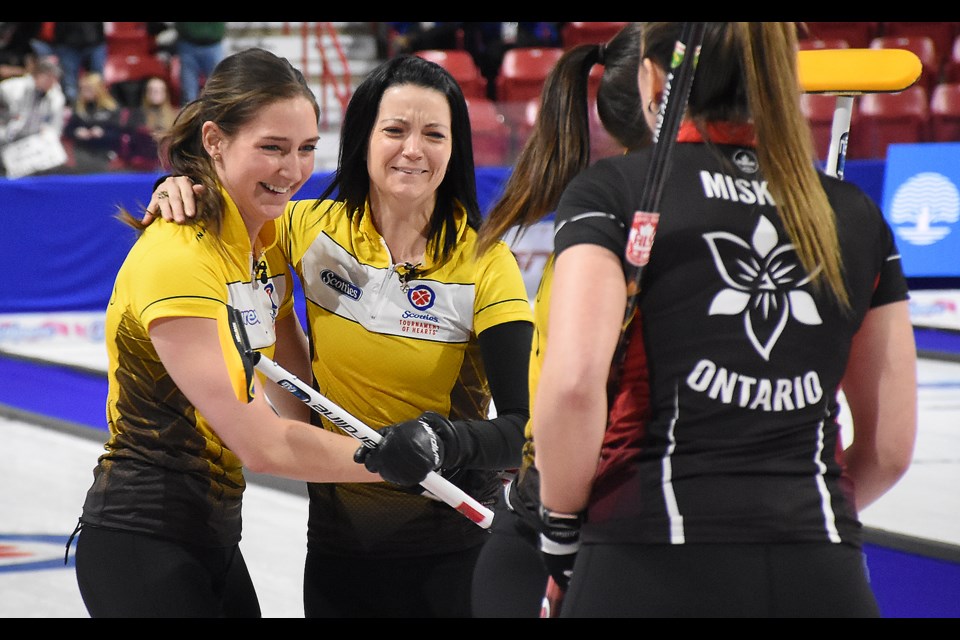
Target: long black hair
(351, 181)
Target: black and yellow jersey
(388, 342)
(165, 471)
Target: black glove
(559, 543)
(408, 451)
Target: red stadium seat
(819, 110)
(942, 34)
(574, 33)
(521, 117)
(951, 66)
(945, 113)
(523, 71)
(519, 82)
(602, 144)
(132, 67)
(923, 47)
(816, 43)
(857, 34)
(129, 38)
(491, 134)
(886, 118)
(125, 75)
(462, 67)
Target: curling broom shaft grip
(434, 482)
(458, 499)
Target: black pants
(128, 575)
(510, 578)
(434, 586)
(720, 580)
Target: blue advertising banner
(921, 200)
(66, 245)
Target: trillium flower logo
(764, 280)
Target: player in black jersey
(715, 481)
(510, 577)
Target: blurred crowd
(90, 97)
(487, 42)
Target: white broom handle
(434, 482)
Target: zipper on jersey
(382, 291)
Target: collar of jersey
(365, 227)
(234, 231)
(736, 133)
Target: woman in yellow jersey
(411, 330)
(161, 524)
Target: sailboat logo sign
(921, 201)
(923, 209)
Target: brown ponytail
(785, 149)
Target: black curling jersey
(725, 426)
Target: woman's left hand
(173, 200)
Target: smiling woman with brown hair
(412, 332)
(161, 524)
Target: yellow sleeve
(501, 293)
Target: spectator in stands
(408, 37)
(488, 41)
(16, 47)
(199, 47)
(147, 122)
(164, 36)
(32, 107)
(94, 130)
(80, 47)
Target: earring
(653, 106)
(217, 158)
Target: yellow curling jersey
(389, 343)
(541, 308)
(165, 472)
(524, 490)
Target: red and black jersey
(725, 427)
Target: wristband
(561, 527)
